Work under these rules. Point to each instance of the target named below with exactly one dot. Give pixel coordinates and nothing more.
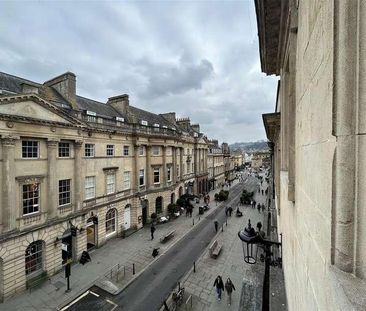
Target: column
(52, 184)
(181, 163)
(164, 173)
(79, 175)
(195, 161)
(148, 167)
(135, 170)
(9, 211)
(174, 167)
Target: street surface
(150, 289)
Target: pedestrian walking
(262, 191)
(226, 211)
(219, 286)
(230, 209)
(254, 204)
(216, 223)
(229, 286)
(259, 207)
(152, 230)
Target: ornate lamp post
(250, 241)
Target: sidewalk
(136, 249)
(248, 279)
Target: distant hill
(250, 146)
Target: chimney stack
(65, 84)
(196, 128)
(169, 116)
(120, 103)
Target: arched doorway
(91, 232)
(66, 246)
(127, 217)
(172, 198)
(180, 191)
(159, 205)
(145, 208)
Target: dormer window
(195, 135)
(156, 125)
(120, 119)
(165, 127)
(91, 116)
(143, 122)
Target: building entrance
(66, 246)
(90, 236)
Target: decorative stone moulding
(10, 124)
(9, 140)
(30, 179)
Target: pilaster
(78, 174)
(52, 186)
(9, 211)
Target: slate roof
(99, 108)
(14, 84)
(150, 117)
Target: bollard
(133, 269)
(192, 221)
(199, 218)
(194, 267)
(178, 286)
(222, 228)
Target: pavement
(134, 250)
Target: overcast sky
(197, 58)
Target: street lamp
(250, 241)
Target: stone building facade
(317, 130)
(76, 172)
(216, 166)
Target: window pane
(64, 150)
(29, 149)
(33, 257)
(64, 189)
(30, 198)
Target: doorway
(90, 236)
(144, 212)
(127, 217)
(66, 246)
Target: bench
(167, 236)
(215, 249)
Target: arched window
(34, 257)
(111, 221)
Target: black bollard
(194, 267)
(133, 269)
(222, 228)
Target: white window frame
(25, 149)
(90, 148)
(108, 149)
(156, 170)
(156, 150)
(34, 258)
(169, 173)
(125, 147)
(64, 147)
(35, 198)
(89, 187)
(143, 122)
(141, 150)
(111, 221)
(126, 180)
(142, 174)
(110, 183)
(65, 191)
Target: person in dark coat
(229, 286)
(219, 286)
(216, 223)
(152, 230)
(259, 207)
(230, 210)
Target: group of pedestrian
(220, 288)
(253, 203)
(228, 211)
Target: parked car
(163, 219)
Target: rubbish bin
(200, 210)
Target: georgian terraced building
(71, 162)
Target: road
(150, 289)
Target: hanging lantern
(249, 239)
